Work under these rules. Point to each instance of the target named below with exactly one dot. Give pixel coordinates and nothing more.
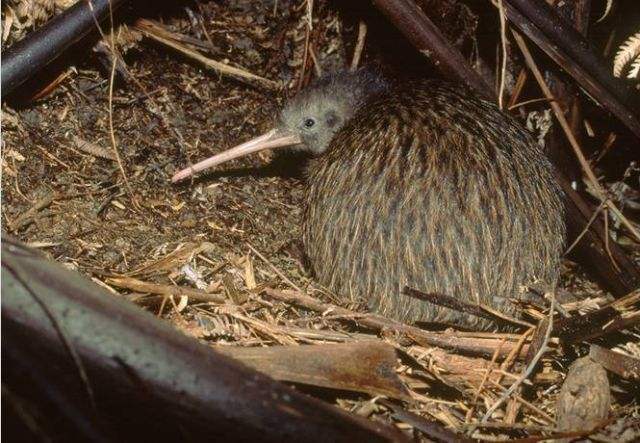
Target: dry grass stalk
(178, 291)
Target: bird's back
(430, 187)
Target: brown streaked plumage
(422, 185)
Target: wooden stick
(357, 52)
(450, 302)
(152, 288)
(622, 313)
(362, 366)
(431, 428)
(477, 346)
(623, 365)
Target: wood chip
(585, 397)
(367, 366)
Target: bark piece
(625, 366)
(585, 397)
(365, 366)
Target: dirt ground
(232, 231)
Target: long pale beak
(272, 139)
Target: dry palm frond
(627, 59)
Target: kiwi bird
(422, 185)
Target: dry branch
(623, 365)
(463, 371)
(477, 346)
(430, 428)
(460, 306)
(29, 216)
(167, 290)
(622, 313)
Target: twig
(142, 286)
(506, 364)
(112, 134)
(607, 240)
(478, 346)
(27, 217)
(623, 365)
(460, 306)
(307, 36)
(517, 89)
(357, 52)
(586, 228)
(430, 428)
(202, 24)
(274, 269)
(316, 64)
(487, 372)
(503, 39)
(53, 157)
(620, 314)
(528, 102)
(524, 402)
(527, 372)
(310, 14)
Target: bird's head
(309, 120)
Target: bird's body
(432, 188)
(424, 186)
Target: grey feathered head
(319, 111)
(310, 119)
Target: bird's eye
(308, 123)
